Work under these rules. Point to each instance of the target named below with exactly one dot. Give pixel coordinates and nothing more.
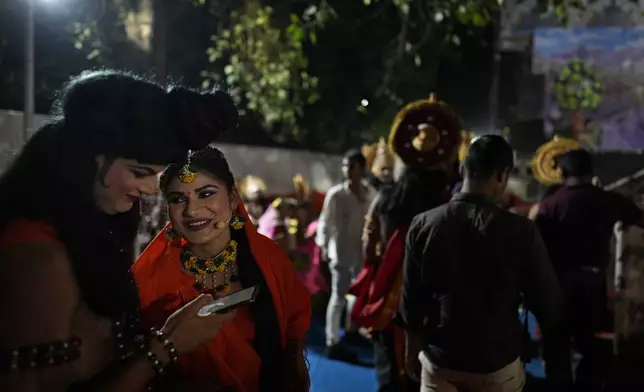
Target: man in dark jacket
(468, 267)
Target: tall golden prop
(544, 161)
(426, 133)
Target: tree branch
(393, 61)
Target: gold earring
(220, 225)
(237, 222)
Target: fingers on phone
(223, 317)
(201, 301)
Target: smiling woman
(69, 211)
(211, 247)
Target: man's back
(577, 224)
(475, 260)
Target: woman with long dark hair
(69, 212)
(211, 246)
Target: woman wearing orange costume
(425, 135)
(211, 247)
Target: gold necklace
(207, 268)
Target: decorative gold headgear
(187, 174)
(426, 133)
(369, 153)
(544, 161)
(250, 186)
(378, 156)
(466, 139)
(300, 185)
(384, 159)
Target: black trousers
(586, 314)
(386, 363)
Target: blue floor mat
(333, 376)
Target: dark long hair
(416, 191)
(267, 336)
(114, 114)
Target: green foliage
(106, 31)
(301, 66)
(265, 64)
(562, 8)
(427, 32)
(469, 12)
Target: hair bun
(201, 118)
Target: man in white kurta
(339, 236)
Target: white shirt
(340, 225)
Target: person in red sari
(211, 247)
(429, 156)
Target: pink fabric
(312, 276)
(266, 224)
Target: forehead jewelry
(187, 174)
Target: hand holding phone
(230, 302)
(188, 331)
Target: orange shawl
(230, 358)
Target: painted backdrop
(617, 57)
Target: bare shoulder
(39, 294)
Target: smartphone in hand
(230, 302)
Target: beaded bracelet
(40, 356)
(156, 364)
(167, 345)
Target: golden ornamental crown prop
(250, 186)
(369, 153)
(426, 133)
(300, 185)
(544, 161)
(384, 159)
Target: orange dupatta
(230, 358)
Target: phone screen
(230, 301)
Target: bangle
(154, 361)
(167, 344)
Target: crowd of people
(431, 266)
